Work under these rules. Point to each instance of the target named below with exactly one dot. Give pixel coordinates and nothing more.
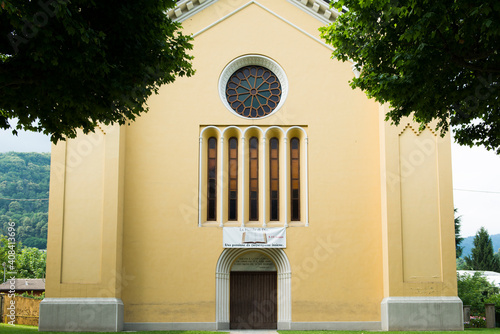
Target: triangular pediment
(316, 8)
(248, 4)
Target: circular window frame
(249, 60)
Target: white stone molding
(200, 176)
(318, 8)
(262, 185)
(241, 183)
(270, 12)
(287, 195)
(422, 314)
(263, 154)
(266, 153)
(222, 276)
(221, 180)
(356, 72)
(81, 314)
(200, 158)
(306, 174)
(187, 8)
(264, 193)
(248, 60)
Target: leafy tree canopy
(458, 239)
(66, 64)
(31, 262)
(25, 262)
(474, 289)
(435, 60)
(482, 257)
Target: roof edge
(318, 9)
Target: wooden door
(253, 300)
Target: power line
(24, 200)
(478, 191)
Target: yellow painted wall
(362, 244)
(417, 211)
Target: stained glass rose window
(253, 91)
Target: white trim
(242, 182)
(422, 313)
(287, 195)
(232, 127)
(306, 174)
(200, 167)
(222, 276)
(221, 204)
(263, 177)
(253, 59)
(306, 180)
(266, 153)
(222, 19)
(221, 181)
(319, 9)
(270, 12)
(261, 160)
(187, 8)
(200, 179)
(57, 313)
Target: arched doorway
(253, 292)
(281, 278)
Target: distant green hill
(468, 244)
(24, 193)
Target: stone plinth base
(81, 314)
(422, 313)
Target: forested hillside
(24, 193)
(468, 244)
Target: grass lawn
(466, 331)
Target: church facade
(263, 192)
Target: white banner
(250, 237)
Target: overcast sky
(476, 179)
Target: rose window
(253, 91)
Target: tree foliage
(435, 60)
(66, 64)
(458, 239)
(24, 190)
(26, 262)
(31, 263)
(474, 289)
(482, 257)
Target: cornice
(317, 8)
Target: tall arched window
(274, 178)
(212, 179)
(295, 178)
(254, 179)
(233, 179)
(260, 181)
